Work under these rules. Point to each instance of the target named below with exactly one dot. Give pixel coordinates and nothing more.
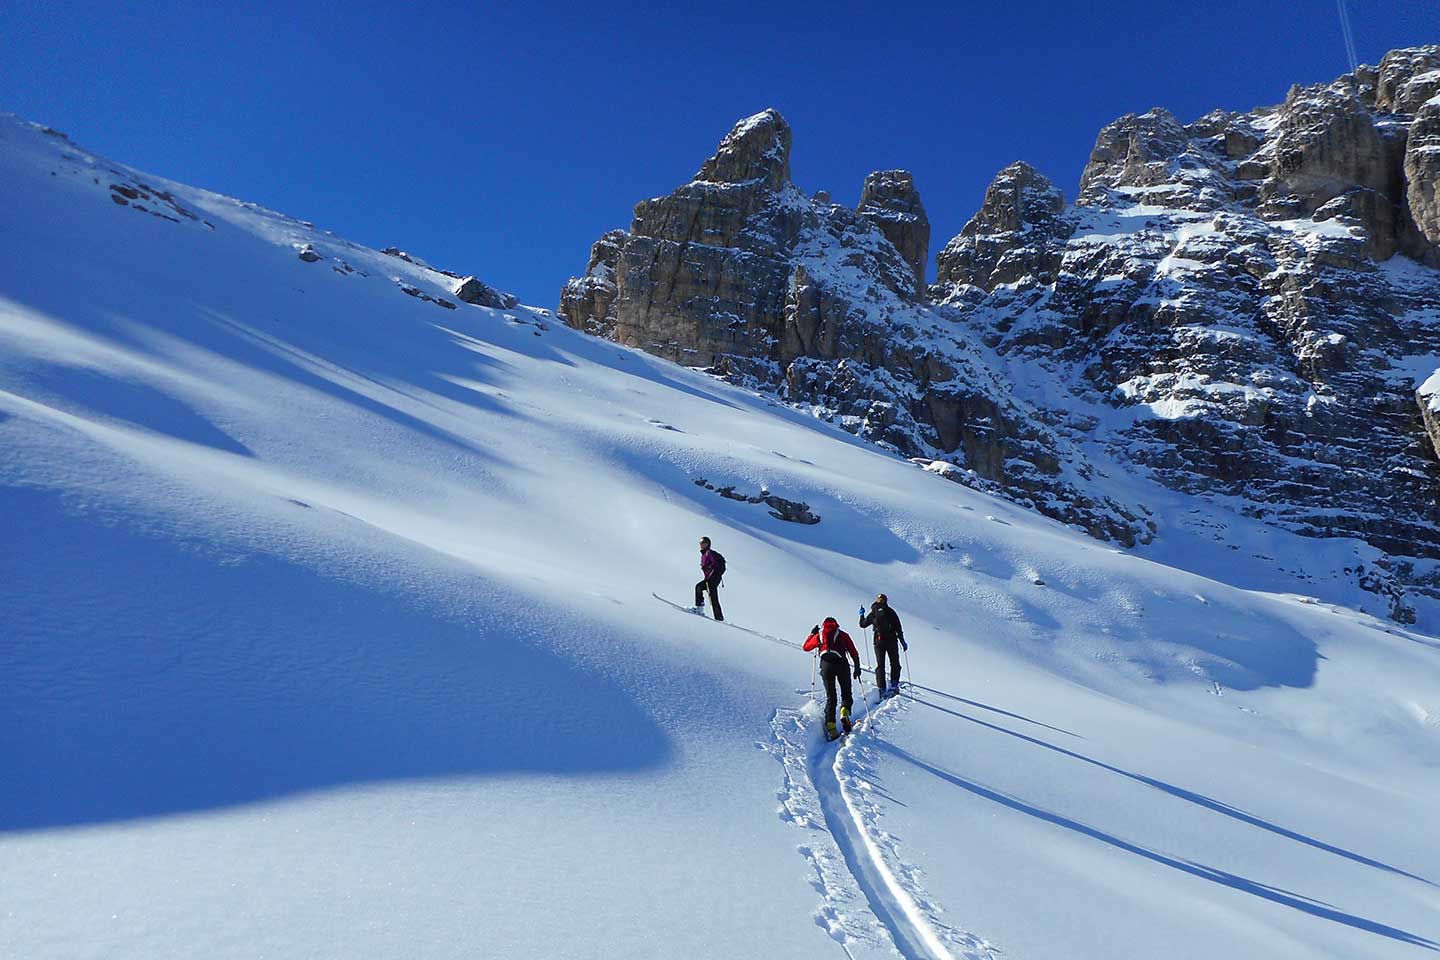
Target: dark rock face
(791, 511)
(890, 201)
(716, 269)
(1019, 233)
(472, 290)
(702, 272)
(586, 301)
(1135, 151)
(1422, 176)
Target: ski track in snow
(844, 912)
(872, 903)
(872, 900)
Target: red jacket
(831, 639)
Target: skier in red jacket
(833, 644)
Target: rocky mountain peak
(1134, 151)
(890, 201)
(740, 272)
(1406, 79)
(1234, 308)
(1003, 242)
(1227, 296)
(757, 149)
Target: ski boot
(845, 722)
(831, 733)
(891, 691)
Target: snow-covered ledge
(1428, 396)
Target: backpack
(719, 562)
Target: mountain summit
(1238, 309)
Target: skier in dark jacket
(889, 641)
(833, 644)
(712, 565)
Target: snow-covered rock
(740, 272)
(890, 201)
(1422, 174)
(1220, 301)
(474, 290)
(1226, 309)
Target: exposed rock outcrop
(586, 301)
(1427, 395)
(1422, 175)
(890, 201)
(1406, 79)
(1019, 233)
(1232, 310)
(739, 271)
(473, 290)
(791, 511)
(1220, 295)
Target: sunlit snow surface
(327, 631)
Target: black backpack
(719, 562)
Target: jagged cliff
(1247, 293)
(740, 271)
(1238, 308)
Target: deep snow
(327, 631)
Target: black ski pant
(833, 670)
(713, 584)
(887, 647)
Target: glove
(815, 629)
(903, 644)
(857, 671)
(862, 610)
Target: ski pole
(864, 697)
(869, 649)
(911, 681)
(814, 660)
(865, 668)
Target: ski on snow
(700, 612)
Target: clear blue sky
(501, 140)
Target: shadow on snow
(146, 677)
(1181, 793)
(1213, 874)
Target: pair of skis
(848, 725)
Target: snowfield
(327, 631)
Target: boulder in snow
(476, 291)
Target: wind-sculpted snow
(328, 631)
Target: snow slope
(327, 631)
